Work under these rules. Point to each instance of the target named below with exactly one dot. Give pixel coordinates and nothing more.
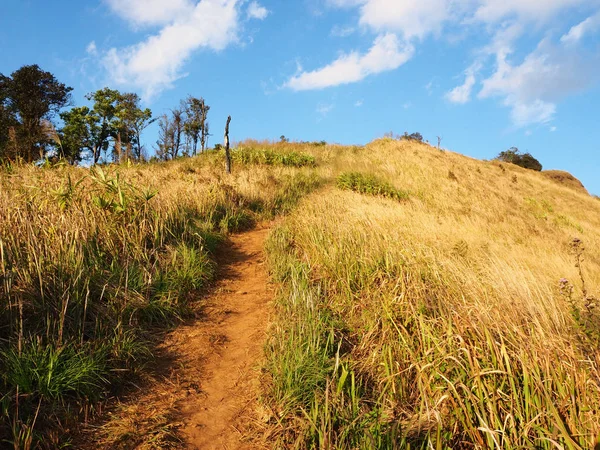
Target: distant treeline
(35, 124)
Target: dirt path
(205, 396)
(237, 316)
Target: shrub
(369, 184)
(412, 137)
(525, 160)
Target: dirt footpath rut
(234, 329)
(204, 388)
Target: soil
(205, 393)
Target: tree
(196, 123)
(178, 125)
(226, 144)
(164, 144)
(118, 118)
(170, 132)
(8, 121)
(31, 96)
(76, 134)
(102, 120)
(514, 156)
(130, 121)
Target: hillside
(425, 299)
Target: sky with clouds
(484, 75)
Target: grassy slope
(436, 322)
(90, 261)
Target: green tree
(117, 118)
(31, 97)
(102, 120)
(76, 133)
(413, 136)
(7, 121)
(130, 121)
(514, 156)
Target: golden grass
(446, 309)
(453, 319)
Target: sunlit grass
(92, 259)
(438, 322)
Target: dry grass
(438, 322)
(90, 261)
(456, 318)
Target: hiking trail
(205, 392)
(235, 325)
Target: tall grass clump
(439, 323)
(369, 184)
(269, 157)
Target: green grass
(369, 184)
(272, 158)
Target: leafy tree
(514, 156)
(130, 121)
(76, 134)
(196, 122)
(102, 120)
(30, 97)
(118, 118)
(7, 120)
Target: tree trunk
(117, 156)
(227, 154)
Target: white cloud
(151, 12)
(257, 11)
(462, 94)
(359, 103)
(92, 49)
(325, 108)
(532, 88)
(576, 33)
(338, 31)
(491, 11)
(387, 53)
(553, 129)
(535, 112)
(412, 19)
(157, 62)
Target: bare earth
(237, 318)
(205, 396)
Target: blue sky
(485, 75)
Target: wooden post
(439, 143)
(227, 154)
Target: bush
(369, 184)
(525, 160)
(412, 137)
